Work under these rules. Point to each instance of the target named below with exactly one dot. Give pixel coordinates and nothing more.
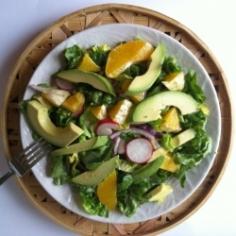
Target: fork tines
(30, 156)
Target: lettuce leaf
(93, 158)
(190, 154)
(135, 70)
(131, 195)
(90, 201)
(197, 119)
(191, 87)
(58, 170)
(99, 54)
(60, 116)
(73, 55)
(167, 142)
(87, 122)
(170, 65)
(95, 97)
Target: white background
(212, 20)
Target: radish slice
(63, 84)
(139, 150)
(106, 127)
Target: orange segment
(88, 65)
(100, 112)
(126, 54)
(75, 102)
(107, 191)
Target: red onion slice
(116, 145)
(121, 147)
(63, 84)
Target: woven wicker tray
(46, 41)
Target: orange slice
(88, 65)
(75, 102)
(107, 191)
(126, 54)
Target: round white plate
(113, 34)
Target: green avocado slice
(89, 144)
(143, 82)
(150, 108)
(94, 177)
(39, 120)
(97, 81)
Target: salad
(123, 121)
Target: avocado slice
(144, 82)
(126, 166)
(184, 137)
(150, 108)
(147, 170)
(38, 117)
(89, 144)
(97, 81)
(160, 193)
(94, 177)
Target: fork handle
(6, 177)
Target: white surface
(124, 32)
(213, 21)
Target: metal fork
(22, 163)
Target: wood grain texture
(46, 41)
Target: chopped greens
(58, 170)
(95, 97)
(99, 54)
(135, 70)
(60, 116)
(192, 87)
(73, 55)
(170, 65)
(90, 201)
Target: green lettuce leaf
(58, 170)
(93, 158)
(90, 201)
(191, 87)
(73, 56)
(99, 54)
(190, 154)
(135, 70)
(197, 119)
(167, 142)
(170, 65)
(60, 116)
(87, 122)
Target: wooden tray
(46, 41)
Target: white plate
(113, 34)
